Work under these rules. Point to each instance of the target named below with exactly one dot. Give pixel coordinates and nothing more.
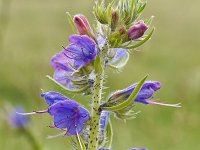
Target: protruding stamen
(55, 136)
(164, 104)
(33, 113)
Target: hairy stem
(95, 113)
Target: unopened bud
(114, 19)
(82, 25)
(137, 30)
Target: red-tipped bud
(137, 30)
(82, 24)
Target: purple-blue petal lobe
(104, 120)
(53, 97)
(120, 58)
(69, 115)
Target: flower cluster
(80, 68)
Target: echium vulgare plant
(80, 68)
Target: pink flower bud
(82, 24)
(137, 30)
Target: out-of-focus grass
(38, 29)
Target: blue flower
(144, 96)
(16, 120)
(67, 114)
(79, 54)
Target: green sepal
(80, 143)
(71, 22)
(98, 65)
(141, 7)
(130, 100)
(62, 87)
(109, 135)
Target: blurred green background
(34, 30)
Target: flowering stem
(95, 113)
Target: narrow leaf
(71, 22)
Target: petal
(155, 85)
(84, 41)
(104, 120)
(61, 76)
(67, 107)
(84, 115)
(69, 115)
(53, 97)
(120, 59)
(143, 95)
(61, 61)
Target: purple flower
(80, 53)
(105, 149)
(144, 96)
(16, 120)
(137, 30)
(67, 114)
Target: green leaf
(129, 100)
(80, 143)
(71, 22)
(62, 87)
